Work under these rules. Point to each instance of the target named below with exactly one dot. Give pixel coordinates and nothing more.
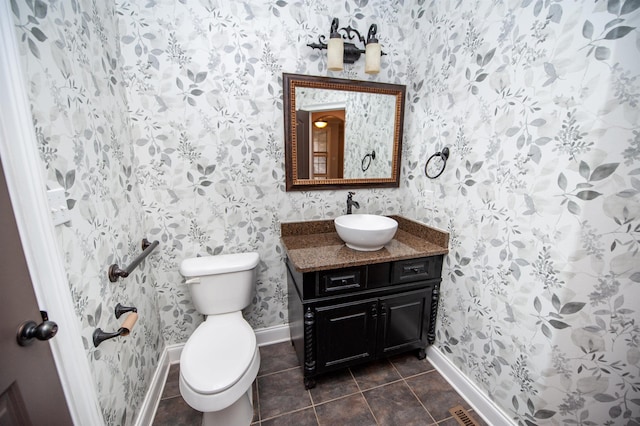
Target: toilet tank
(221, 284)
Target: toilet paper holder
(100, 336)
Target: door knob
(29, 330)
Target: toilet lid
(217, 354)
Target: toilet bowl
(221, 359)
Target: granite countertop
(315, 245)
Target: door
(346, 334)
(404, 321)
(302, 144)
(30, 390)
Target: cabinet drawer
(424, 268)
(342, 280)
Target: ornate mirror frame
(293, 81)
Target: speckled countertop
(315, 245)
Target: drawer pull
(414, 269)
(344, 282)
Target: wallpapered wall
(165, 119)
(205, 90)
(538, 102)
(72, 68)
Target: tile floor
(399, 391)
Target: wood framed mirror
(335, 127)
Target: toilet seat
(218, 353)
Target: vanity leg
(435, 297)
(309, 355)
(422, 353)
(309, 383)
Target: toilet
(220, 360)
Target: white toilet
(220, 360)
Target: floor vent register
(462, 416)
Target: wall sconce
(339, 51)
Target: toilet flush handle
(192, 281)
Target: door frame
(27, 190)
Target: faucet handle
(351, 193)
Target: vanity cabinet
(347, 316)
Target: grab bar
(115, 271)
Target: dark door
(302, 144)
(345, 334)
(404, 321)
(30, 390)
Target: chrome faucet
(351, 203)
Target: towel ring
(436, 163)
(366, 161)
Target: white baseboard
(271, 335)
(174, 352)
(149, 406)
(478, 400)
(171, 355)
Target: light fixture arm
(351, 51)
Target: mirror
(341, 133)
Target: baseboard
(147, 410)
(272, 335)
(478, 400)
(171, 355)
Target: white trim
(19, 153)
(478, 400)
(273, 335)
(147, 410)
(174, 352)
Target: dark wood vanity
(348, 307)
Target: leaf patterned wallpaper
(538, 102)
(72, 67)
(164, 119)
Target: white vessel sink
(365, 232)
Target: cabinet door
(346, 334)
(404, 321)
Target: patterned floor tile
(306, 417)
(351, 410)
(409, 365)
(277, 357)
(333, 385)
(176, 412)
(436, 394)
(281, 393)
(375, 374)
(395, 404)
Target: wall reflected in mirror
(338, 124)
